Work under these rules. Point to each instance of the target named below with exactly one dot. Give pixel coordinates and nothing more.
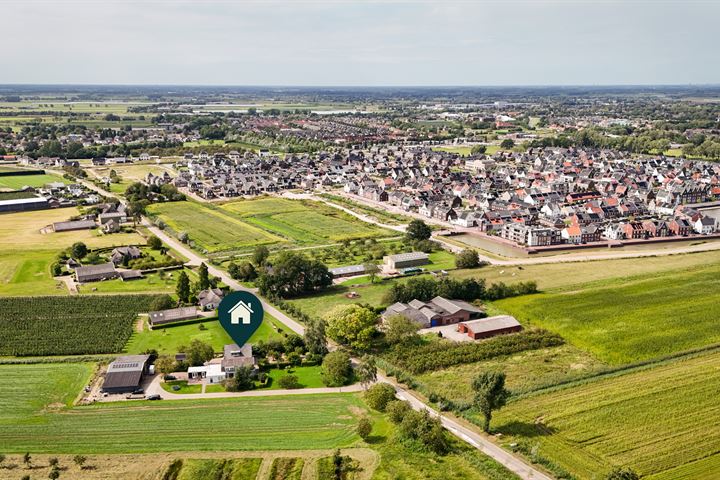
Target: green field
(19, 181)
(71, 325)
(168, 340)
(241, 225)
(211, 230)
(634, 319)
(234, 469)
(308, 377)
(662, 421)
(526, 371)
(303, 222)
(33, 420)
(26, 254)
(150, 283)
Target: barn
(124, 375)
(489, 327)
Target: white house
(211, 373)
(705, 225)
(240, 313)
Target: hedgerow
(441, 354)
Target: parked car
(153, 397)
(138, 391)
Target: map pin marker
(241, 313)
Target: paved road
(156, 388)
(510, 461)
(195, 259)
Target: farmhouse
(125, 374)
(406, 260)
(162, 317)
(210, 299)
(489, 327)
(437, 312)
(95, 273)
(124, 254)
(217, 370)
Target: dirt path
(140, 324)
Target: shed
(94, 273)
(406, 260)
(162, 317)
(124, 375)
(490, 326)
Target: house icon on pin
(240, 313)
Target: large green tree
(293, 274)
(490, 394)
(352, 325)
(336, 369)
(203, 277)
(182, 289)
(418, 230)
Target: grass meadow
(20, 181)
(664, 422)
(242, 225)
(633, 319)
(243, 423)
(26, 254)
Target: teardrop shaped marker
(241, 313)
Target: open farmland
(242, 225)
(209, 229)
(68, 325)
(26, 254)
(633, 319)
(303, 221)
(661, 421)
(16, 182)
(269, 423)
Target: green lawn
(633, 319)
(151, 283)
(16, 182)
(661, 421)
(34, 418)
(184, 387)
(168, 340)
(309, 377)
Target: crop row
(72, 325)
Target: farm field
(297, 422)
(16, 182)
(150, 283)
(211, 230)
(168, 340)
(648, 317)
(71, 325)
(28, 272)
(36, 416)
(664, 422)
(550, 276)
(303, 221)
(526, 371)
(242, 225)
(21, 232)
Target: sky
(360, 42)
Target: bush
(396, 410)
(379, 395)
(289, 382)
(364, 428)
(420, 428)
(467, 259)
(336, 369)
